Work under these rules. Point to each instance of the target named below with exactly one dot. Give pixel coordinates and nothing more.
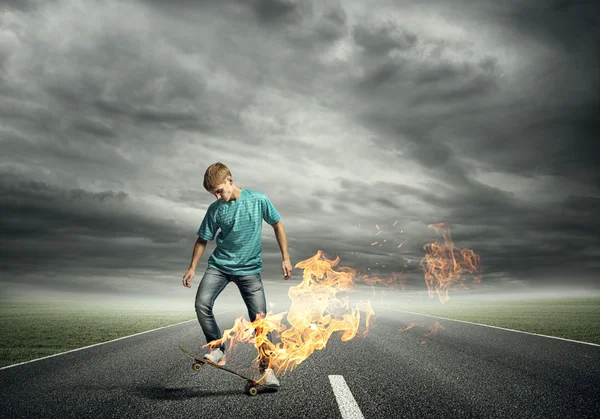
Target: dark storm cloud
(306, 30)
(569, 24)
(117, 75)
(530, 136)
(139, 84)
(49, 232)
(382, 38)
(332, 25)
(34, 209)
(272, 11)
(346, 115)
(21, 5)
(534, 141)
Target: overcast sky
(347, 114)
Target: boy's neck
(237, 192)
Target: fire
(315, 314)
(396, 279)
(444, 265)
(437, 326)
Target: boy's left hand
(286, 267)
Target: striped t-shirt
(239, 243)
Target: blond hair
(215, 175)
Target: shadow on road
(182, 393)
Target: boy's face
(224, 191)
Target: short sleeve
(208, 228)
(269, 213)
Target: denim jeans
(212, 284)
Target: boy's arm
(286, 264)
(199, 247)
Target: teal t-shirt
(239, 243)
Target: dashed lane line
(348, 406)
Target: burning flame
(437, 326)
(315, 314)
(444, 265)
(396, 279)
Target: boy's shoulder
(213, 207)
(255, 194)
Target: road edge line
(489, 325)
(100, 343)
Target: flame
(396, 279)
(444, 265)
(315, 314)
(437, 326)
(410, 326)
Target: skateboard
(251, 384)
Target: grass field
(33, 329)
(569, 318)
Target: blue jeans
(212, 284)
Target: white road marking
(348, 406)
(101, 343)
(487, 325)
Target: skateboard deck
(251, 384)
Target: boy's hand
(187, 278)
(286, 267)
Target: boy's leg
(212, 284)
(253, 294)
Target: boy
(239, 214)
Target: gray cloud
(346, 116)
(271, 11)
(381, 38)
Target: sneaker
(269, 379)
(214, 356)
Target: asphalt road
(464, 370)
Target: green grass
(32, 329)
(570, 318)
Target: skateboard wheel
(196, 366)
(252, 391)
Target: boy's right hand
(187, 278)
